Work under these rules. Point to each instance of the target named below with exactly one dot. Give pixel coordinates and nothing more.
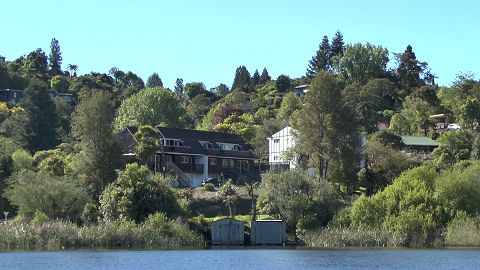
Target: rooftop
(419, 141)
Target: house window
(275, 158)
(222, 146)
(206, 145)
(184, 159)
(228, 163)
(276, 140)
(212, 161)
(237, 148)
(168, 158)
(173, 142)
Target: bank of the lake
(245, 259)
(156, 232)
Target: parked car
(214, 181)
(454, 127)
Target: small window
(168, 158)
(276, 140)
(237, 148)
(275, 158)
(185, 159)
(232, 163)
(206, 145)
(222, 146)
(212, 161)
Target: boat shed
(227, 231)
(268, 232)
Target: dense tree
(360, 63)
(321, 61)
(242, 80)
(42, 123)
(283, 83)
(455, 146)
(264, 78)
(369, 101)
(255, 78)
(290, 104)
(148, 143)
(154, 81)
(383, 161)
(409, 70)
(57, 197)
(297, 198)
(59, 83)
(222, 90)
(329, 132)
(197, 108)
(55, 58)
(136, 194)
(337, 46)
(152, 106)
(92, 126)
(193, 89)
(242, 125)
(35, 65)
(417, 114)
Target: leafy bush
(209, 187)
(463, 230)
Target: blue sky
(207, 40)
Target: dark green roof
(419, 141)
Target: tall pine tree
(337, 45)
(55, 58)
(255, 78)
(321, 60)
(179, 90)
(154, 81)
(242, 80)
(409, 70)
(264, 78)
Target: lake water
(245, 259)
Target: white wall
(278, 145)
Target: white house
(278, 144)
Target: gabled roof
(419, 141)
(191, 142)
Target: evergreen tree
(154, 81)
(264, 78)
(242, 80)
(36, 65)
(409, 70)
(283, 83)
(255, 78)
(42, 117)
(222, 90)
(321, 61)
(337, 45)
(55, 58)
(179, 90)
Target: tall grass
(350, 237)
(63, 235)
(463, 231)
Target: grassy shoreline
(58, 235)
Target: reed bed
(55, 235)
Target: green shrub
(463, 230)
(40, 217)
(209, 187)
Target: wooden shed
(227, 231)
(268, 232)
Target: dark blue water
(245, 259)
